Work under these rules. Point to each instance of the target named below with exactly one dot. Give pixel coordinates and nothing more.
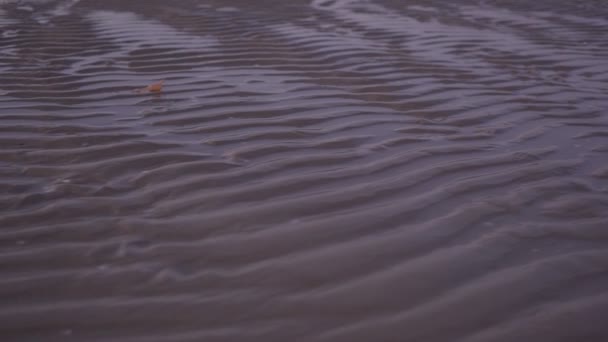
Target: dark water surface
(365, 170)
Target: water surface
(328, 170)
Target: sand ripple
(327, 170)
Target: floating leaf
(155, 87)
(152, 88)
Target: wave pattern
(333, 170)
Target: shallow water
(370, 170)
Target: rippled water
(327, 170)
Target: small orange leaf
(155, 87)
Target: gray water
(370, 170)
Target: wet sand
(327, 170)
